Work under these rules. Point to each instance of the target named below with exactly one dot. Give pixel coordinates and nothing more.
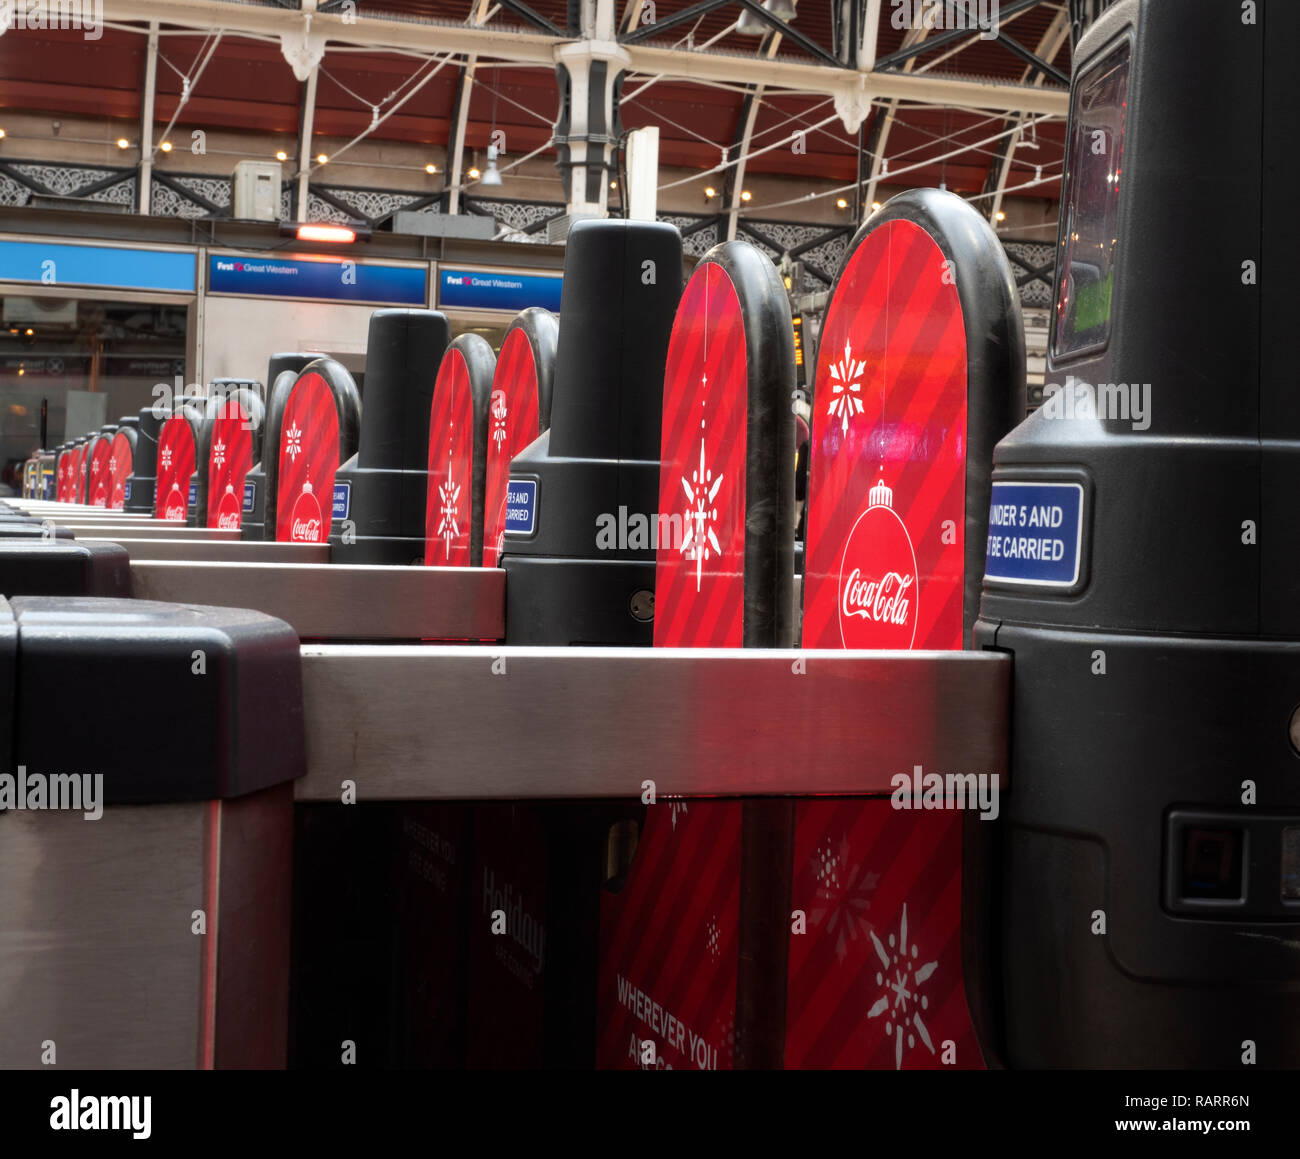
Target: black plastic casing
(174, 702)
(388, 477)
(60, 566)
(622, 283)
(1161, 685)
(144, 465)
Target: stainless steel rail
(325, 601)
(437, 722)
(209, 550)
(161, 530)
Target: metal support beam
(857, 719)
(143, 200)
(951, 35)
(1000, 167)
(668, 23)
(643, 59)
(748, 115)
(304, 143)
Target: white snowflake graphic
(449, 493)
(219, 453)
(714, 938)
(701, 493)
(112, 463)
(843, 895)
(846, 386)
(499, 417)
(294, 447)
(903, 979)
(675, 807)
(166, 458)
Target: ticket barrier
(1192, 895)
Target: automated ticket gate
(229, 443)
(1143, 565)
(1134, 873)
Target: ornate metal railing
(819, 248)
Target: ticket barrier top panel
(162, 530)
(332, 601)
(479, 723)
(212, 550)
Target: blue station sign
(321, 279)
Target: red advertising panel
(175, 468)
(700, 526)
(449, 506)
(669, 944)
(670, 937)
(309, 459)
(230, 458)
(98, 488)
(875, 980)
(63, 484)
(121, 462)
(508, 951)
(513, 423)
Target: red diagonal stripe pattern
(449, 501)
(513, 423)
(876, 979)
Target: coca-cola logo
(877, 583)
(228, 511)
(175, 508)
(306, 523)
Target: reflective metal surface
(157, 530)
(490, 722)
(98, 953)
(324, 601)
(243, 550)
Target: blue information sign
(342, 500)
(250, 496)
(53, 264)
(325, 279)
(1035, 534)
(521, 506)
(498, 290)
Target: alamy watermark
(78, 792)
(941, 15)
(919, 790)
(1115, 401)
(84, 16)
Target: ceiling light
(613, 184)
(321, 158)
(840, 203)
(875, 205)
(123, 143)
(709, 191)
(473, 175)
(492, 176)
(281, 155)
(1000, 215)
(431, 168)
(745, 195)
(336, 233)
(166, 146)
(751, 25)
(2, 134)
